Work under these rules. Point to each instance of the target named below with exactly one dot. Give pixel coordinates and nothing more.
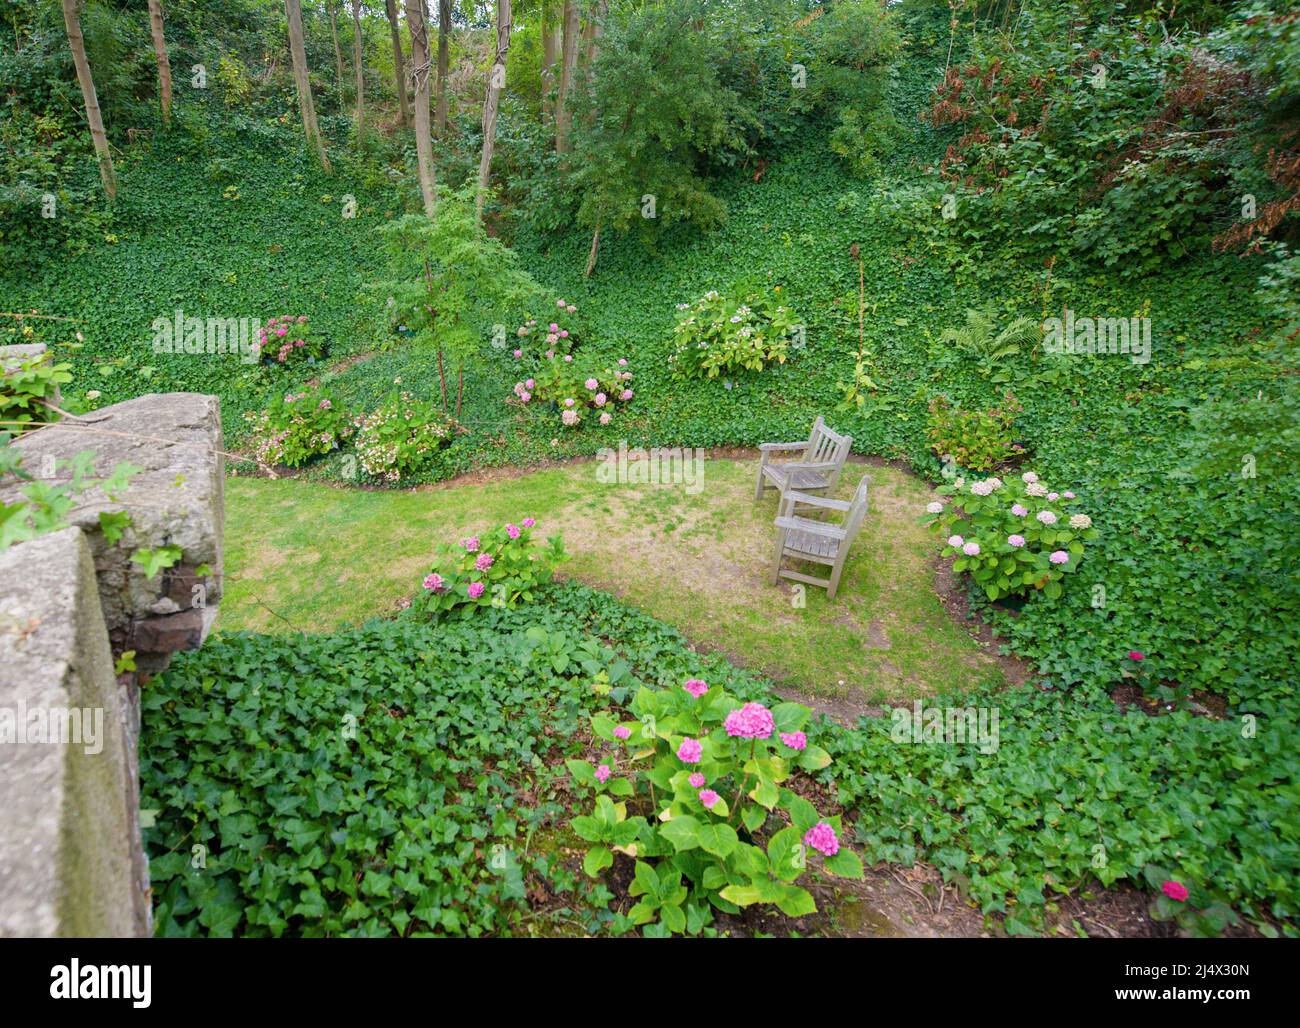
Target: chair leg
(758, 490)
(835, 578)
(780, 552)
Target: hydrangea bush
(500, 568)
(724, 333)
(578, 393)
(289, 339)
(296, 427)
(401, 435)
(1011, 537)
(691, 788)
(557, 333)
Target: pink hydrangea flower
(529, 522)
(1046, 517)
(572, 308)
(1018, 510)
(795, 740)
(475, 590)
(569, 402)
(708, 797)
(564, 333)
(602, 773)
(752, 721)
(525, 396)
(513, 531)
(519, 353)
(690, 751)
(626, 394)
(1053, 496)
(569, 417)
(955, 541)
(484, 561)
(605, 418)
(622, 362)
(696, 780)
(971, 549)
(622, 732)
(553, 327)
(433, 582)
(470, 544)
(1175, 891)
(568, 357)
(821, 837)
(1068, 495)
(1059, 557)
(529, 384)
(591, 383)
(697, 687)
(600, 398)
(1016, 540)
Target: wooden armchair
(817, 468)
(818, 541)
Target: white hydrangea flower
(1034, 489)
(981, 488)
(1029, 476)
(995, 482)
(960, 482)
(1046, 517)
(937, 508)
(1080, 521)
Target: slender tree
(164, 65)
(93, 116)
(550, 52)
(358, 69)
(310, 128)
(420, 68)
(496, 82)
(338, 50)
(444, 45)
(568, 65)
(399, 71)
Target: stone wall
(71, 602)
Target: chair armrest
(768, 447)
(816, 501)
(815, 527)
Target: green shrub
(501, 567)
(732, 333)
(973, 439)
(296, 427)
(401, 435)
(673, 763)
(28, 388)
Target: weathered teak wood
(817, 468)
(803, 538)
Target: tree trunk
(310, 127)
(444, 43)
(420, 80)
(591, 257)
(592, 32)
(164, 65)
(338, 51)
(568, 63)
(496, 82)
(358, 70)
(399, 72)
(93, 116)
(550, 51)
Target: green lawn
(307, 556)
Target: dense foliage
(974, 170)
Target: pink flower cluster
(690, 751)
(795, 740)
(822, 838)
(697, 687)
(280, 327)
(752, 721)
